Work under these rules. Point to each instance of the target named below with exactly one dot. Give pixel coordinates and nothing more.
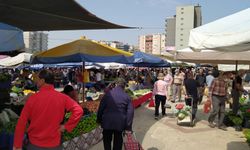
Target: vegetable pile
(85, 125)
(137, 93)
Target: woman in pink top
(160, 94)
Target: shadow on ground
(142, 123)
(236, 145)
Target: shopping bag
(206, 91)
(151, 103)
(207, 106)
(130, 142)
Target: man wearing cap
(115, 114)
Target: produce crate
(85, 141)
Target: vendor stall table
(142, 99)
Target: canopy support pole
(83, 84)
(138, 76)
(236, 66)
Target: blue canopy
(11, 38)
(141, 59)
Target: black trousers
(107, 139)
(34, 147)
(160, 99)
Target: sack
(130, 142)
(207, 106)
(206, 91)
(151, 103)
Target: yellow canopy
(81, 50)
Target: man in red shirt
(44, 111)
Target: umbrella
(227, 34)
(141, 59)
(47, 15)
(11, 38)
(81, 50)
(18, 59)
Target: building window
(181, 23)
(181, 29)
(182, 8)
(181, 44)
(182, 18)
(182, 12)
(181, 34)
(181, 39)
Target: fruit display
(85, 125)
(92, 106)
(137, 93)
(26, 92)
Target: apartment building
(35, 41)
(187, 18)
(152, 44)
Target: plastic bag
(206, 91)
(207, 106)
(151, 103)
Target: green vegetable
(246, 132)
(85, 125)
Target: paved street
(165, 134)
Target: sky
(149, 15)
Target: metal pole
(83, 84)
(236, 67)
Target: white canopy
(214, 57)
(112, 65)
(228, 34)
(12, 61)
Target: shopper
(115, 114)
(191, 91)
(71, 92)
(237, 90)
(178, 82)
(160, 95)
(217, 93)
(44, 111)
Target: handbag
(130, 142)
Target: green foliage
(246, 132)
(85, 125)
(5, 77)
(237, 120)
(10, 126)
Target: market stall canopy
(141, 59)
(11, 38)
(46, 15)
(214, 57)
(111, 65)
(228, 34)
(13, 61)
(82, 50)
